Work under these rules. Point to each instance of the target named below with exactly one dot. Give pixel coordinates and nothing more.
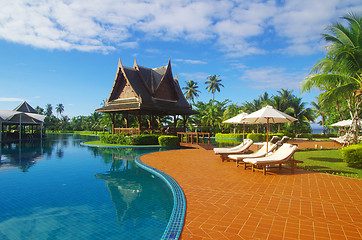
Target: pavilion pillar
(112, 115)
(139, 119)
(185, 117)
(126, 120)
(20, 128)
(152, 121)
(174, 124)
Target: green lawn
(326, 161)
(77, 132)
(99, 143)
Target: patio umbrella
(268, 115)
(238, 120)
(344, 123)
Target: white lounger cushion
(284, 153)
(237, 149)
(260, 153)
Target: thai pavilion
(144, 91)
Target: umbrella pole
(243, 131)
(267, 134)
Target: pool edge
(176, 221)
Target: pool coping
(177, 218)
(175, 224)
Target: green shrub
(114, 138)
(143, 139)
(166, 140)
(229, 135)
(262, 136)
(309, 136)
(256, 136)
(352, 155)
(125, 139)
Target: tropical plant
(304, 115)
(339, 73)
(191, 90)
(213, 85)
(39, 110)
(319, 111)
(60, 109)
(49, 110)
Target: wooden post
(152, 122)
(112, 115)
(174, 123)
(126, 120)
(184, 122)
(139, 118)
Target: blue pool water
(58, 189)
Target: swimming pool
(58, 189)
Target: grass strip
(99, 143)
(326, 161)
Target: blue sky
(67, 51)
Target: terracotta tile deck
(226, 202)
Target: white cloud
(235, 27)
(271, 78)
(2, 99)
(199, 77)
(190, 61)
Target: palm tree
(299, 111)
(60, 109)
(213, 85)
(265, 99)
(339, 73)
(191, 90)
(39, 110)
(320, 112)
(49, 110)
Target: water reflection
(25, 154)
(106, 183)
(133, 200)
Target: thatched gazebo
(144, 91)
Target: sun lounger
(260, 153)
(224, 152)
(345, 140)
(281, 156)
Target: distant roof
(146, 91)
(15, 117)
(25, 107)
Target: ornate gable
(166, 88)
(122, 88)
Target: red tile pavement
(226, 202)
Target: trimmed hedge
(114, 138)
(167, 140)
(262, 136)
(143, 139)
(352, 155)
(229, 135)
(126, 139)
(309, 136)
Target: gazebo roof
(144, 90)
(25, 107)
